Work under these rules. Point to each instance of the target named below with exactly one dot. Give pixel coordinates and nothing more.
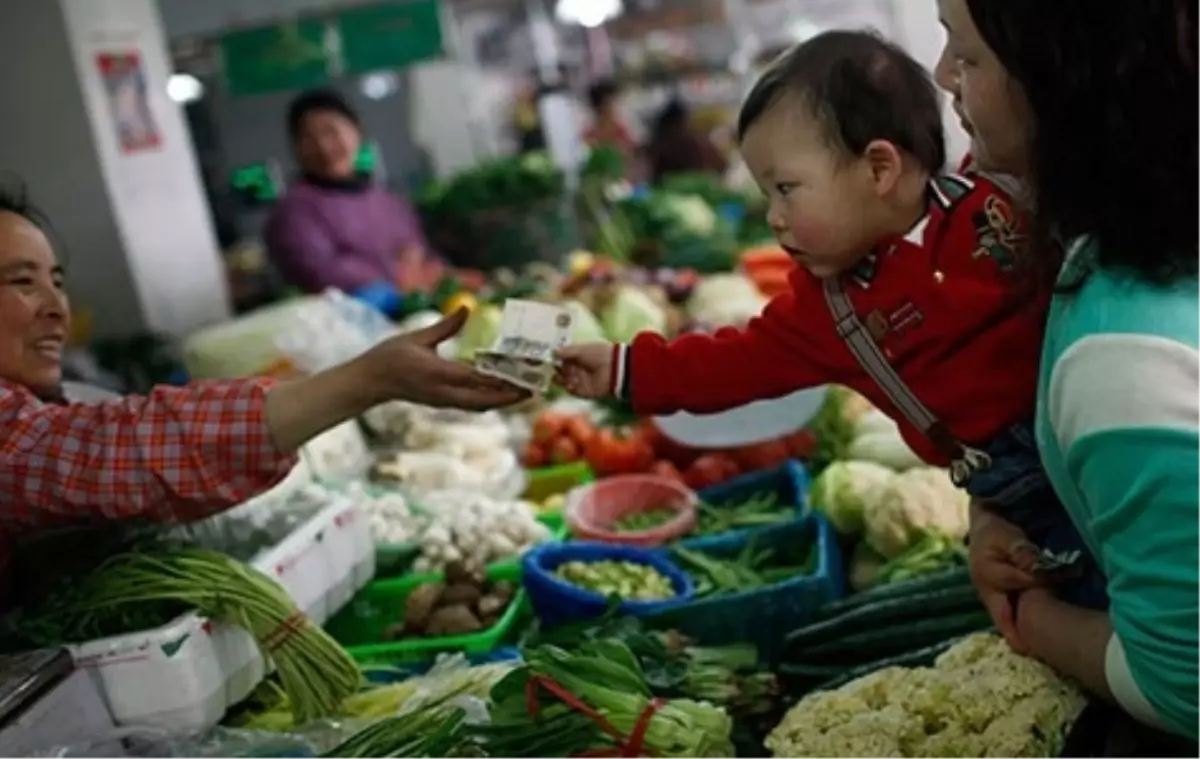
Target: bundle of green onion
(606, 680)
(426, 732)
(315, 672)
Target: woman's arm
(1124, 410)
(181, 454)
(177, 454)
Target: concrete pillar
(88, 125)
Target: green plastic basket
(361, 625)
(556, 480)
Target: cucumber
(884, 613)
(803, 676)
(922, 657)
(871, 645)
(950, 578)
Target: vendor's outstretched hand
(587, 370)
(408, 368)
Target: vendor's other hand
(407, 368)
(999, 569)
(586, 370)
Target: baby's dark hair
(860, 87)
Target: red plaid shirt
(175, 455)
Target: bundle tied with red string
(316, 674)
(594, 701)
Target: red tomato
(611, 452)
(565, 450)
(769, 455)
(710, 469)
(666, 470)
(533, 456)
(548, 427)
(802, 444)
(579, 429)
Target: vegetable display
(978, 699)
(467, 526)
(595, 698)
(752, 568)
(464, 603)
(315, 672)
(892, 620)
(624, 579)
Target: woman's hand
(405, 368)
(999, 562)
(408, 368)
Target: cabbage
(877, 438)
(480, 331)
(725, 300)
(846, 490)
(632, 311)
(584, 326)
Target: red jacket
(942, 302)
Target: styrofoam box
(184, 675)
(339, 454)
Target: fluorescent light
(184, 88)
(587, 13)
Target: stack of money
(523, 353)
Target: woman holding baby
(1092, 106)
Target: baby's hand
(587, 370)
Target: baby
(909, 288)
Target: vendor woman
(177, 454)
(336, 226)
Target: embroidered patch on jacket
(997, 231)
(904, 319)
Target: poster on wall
(124, 77)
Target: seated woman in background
(335, 227)
(677, 148)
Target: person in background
(607, 128)
(676, 148)
(177, 454)
(335, 226)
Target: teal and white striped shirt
(1117, 422)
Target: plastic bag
(218, 742)
(332, 330)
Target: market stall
(564, 578)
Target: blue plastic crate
(766, 615)
(557, 602)
(789, 482)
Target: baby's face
(822, 203)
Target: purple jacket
(343, 237)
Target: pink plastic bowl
(592, 510)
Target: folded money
(523, 353)
(532, 374)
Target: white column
(111, 164)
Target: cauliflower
(913, 504)
(845, 490)
(979, 699)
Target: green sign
(272, 59)
(389, 35)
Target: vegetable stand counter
(184, 675)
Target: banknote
(532, 374)
(523, 352)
